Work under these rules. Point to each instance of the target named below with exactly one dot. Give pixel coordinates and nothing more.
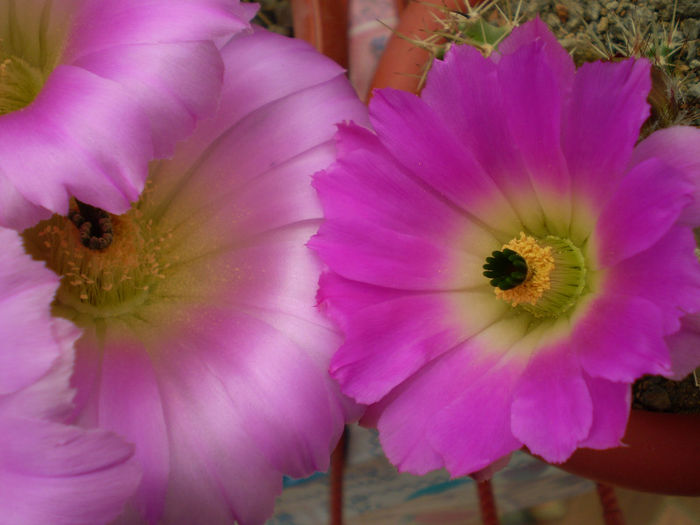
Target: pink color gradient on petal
(676, 147)
(552, 408)
(28, 341)
(611, 409)
(123, 82)
(621, 338)
(607, 108)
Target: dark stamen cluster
(506, 269)
(94, 224)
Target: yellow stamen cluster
(540, 263)
(112, 280)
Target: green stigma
(506, 269)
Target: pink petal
(387, 258)
(373, 360)
(611, 409)
(62, 475)
(174, 84)
(390, 198)
(667, 274)
(258, 143)
(642, 209)
(552, 408)
(677, 147)
(247, 85)
(50, 396)
(340, 298)
(602, 122)
(418, 139)
(685, 347)
(217, 470)
(105, 23)
(557, 58)
(478, 418)
(127, 381)
(29, 343)
(535, 126)
(620, 338)
(62, 141)
(151, 69)
(477, 116)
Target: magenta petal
(418, 139)
(478, 117)
(62, 475)
(478, 419)
(667, 274)
(387, 258)
(685, 347)
(556, 56)
(404, 417)
(552, 409)
(341, 298)
(535, 127)
(620, 338)
(611, 408)
(389, 198)
(607, 108)
(373, 360)
(640, 211)
(676, 147)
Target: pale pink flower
(201, 342)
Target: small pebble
(562, 12)
(656, 398)
(602, 25)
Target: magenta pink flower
(49, 472)
(91, 90)
(202, 344)
(503, 265)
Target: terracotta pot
(402, 62)
(324, 24)
(662, 456)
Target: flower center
(110, 264)
(542, 276)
